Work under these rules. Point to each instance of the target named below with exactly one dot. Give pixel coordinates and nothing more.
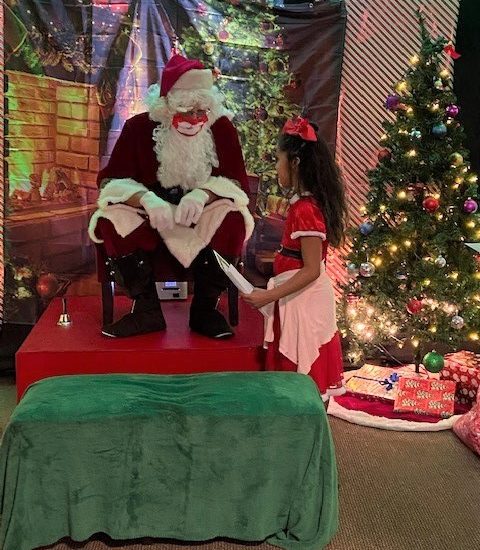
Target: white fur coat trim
(226, 188)
(125, 218)
(119, 190)
(183, 242)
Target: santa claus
(176, 181)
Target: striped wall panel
(380, 39)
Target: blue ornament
(366, 228)
(439, 130)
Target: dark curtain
(467, 76)
(315, 35)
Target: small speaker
(172, 290)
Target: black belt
(173, 195)
(290, 253)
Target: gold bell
(64, 320)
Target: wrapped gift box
(376, 383)
(425, 396)
(463, 368)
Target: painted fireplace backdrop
(77, 70)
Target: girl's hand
(258, 297)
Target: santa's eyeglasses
(196, 112)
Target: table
(247, 456)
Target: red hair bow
(300, 127)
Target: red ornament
(384, 154)
(431, 204)
(414, 306)
(47, 285)
(202, 10)
(223, 35)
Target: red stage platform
(51, 350)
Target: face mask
(189, 124)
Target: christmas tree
(413, 279)
(245, 45)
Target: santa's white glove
(191, 207)
(159, 211)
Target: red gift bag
(467, 427)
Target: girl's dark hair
(319, 175)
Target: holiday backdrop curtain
(76, 71)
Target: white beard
(185, 161)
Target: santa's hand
(159, 211)
(191, 207)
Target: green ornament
(433, 361)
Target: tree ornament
(440, 261)
(202, 10)
(439, 130)
(47, 285)
(416, 134)
(352, 270)
(433, 361)
(456, 159)
(223, 35)
(470, 206)
(414, 306)
(269, 41)
(431, 204)
(266, 26)
(261, 114)
(367, 269)
(401, 273)
(263, 67)
(457, 322)
(452, 110)
(392, 102)
(438, 83)
(384, 154)
(208, 48)
(366, 228)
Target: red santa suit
(152, 154)
(134, 166)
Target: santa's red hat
(181, 73)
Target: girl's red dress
(306, 219)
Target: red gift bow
(300, 127)
(450, 50)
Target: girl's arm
(311, 255)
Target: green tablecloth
(247, 456)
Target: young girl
(301, 331)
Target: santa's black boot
(209, 282)
(135, 274)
